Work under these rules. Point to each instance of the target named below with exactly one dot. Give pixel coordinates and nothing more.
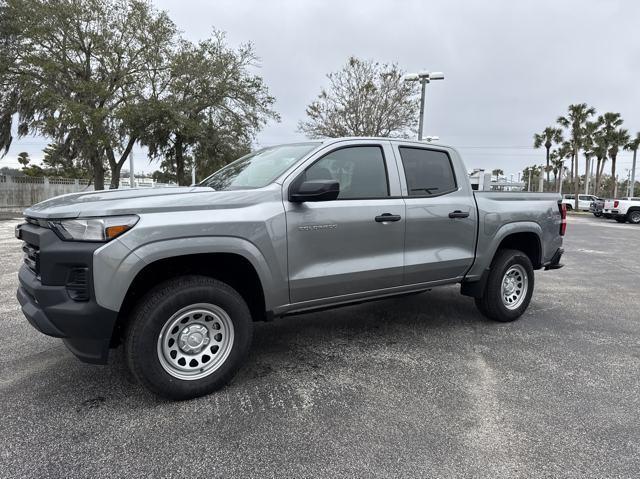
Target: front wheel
(509, 286)
(188, 336)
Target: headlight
(93, 229)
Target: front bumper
(46, 298)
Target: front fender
(116, 266)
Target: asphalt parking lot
(411, 387)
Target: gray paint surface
(315, 254)
(419, 386)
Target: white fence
(20, 192)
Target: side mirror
(314, 190)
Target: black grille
(31, 257)
(78, 284)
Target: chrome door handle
(387, 217)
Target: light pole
(423, 78)
(132, 180)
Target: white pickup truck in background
(623, 209)
(584, 201)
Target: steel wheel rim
(635, 216)
(195, 341)
(515, 284)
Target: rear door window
(428, 172)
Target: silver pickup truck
(178, 275)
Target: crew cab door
(345, 246)
(584, 201)
(441, 214)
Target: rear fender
(487, 247)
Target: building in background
(482, 180)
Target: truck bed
(497, 210)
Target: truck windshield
(259, 168)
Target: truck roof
(329, 141)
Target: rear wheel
(621, 219)
(634, 217)
(188, 337)
(509, 286)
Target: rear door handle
(459, 214)
(385, 217)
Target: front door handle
(385, 217)
(459, 214)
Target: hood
(143, 200)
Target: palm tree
(591, 129)
(617, 139)
(599, 150)
(609, 121)
(548, 137)
(633, 145)
(575, 120)
(497, 172)
(557, 166)
(565, 152)
(23, 158)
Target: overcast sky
(511, 67)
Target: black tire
(156, 308)
(569, 207)
(597, 215)
(634, 217)
(621, 219)
(607, 215)
(491, 304)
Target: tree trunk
(576, 179)
(98, 170)
(587, 175)
(115, 176)
(179, 160)
(116, 166)
(613, 176)
(571, 173)
(602, 165)
(548, 181)
(633, 173)
(598, 161)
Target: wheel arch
(522, 236)
(119, 269)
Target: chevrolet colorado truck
(177, 276)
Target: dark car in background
(596, 207)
